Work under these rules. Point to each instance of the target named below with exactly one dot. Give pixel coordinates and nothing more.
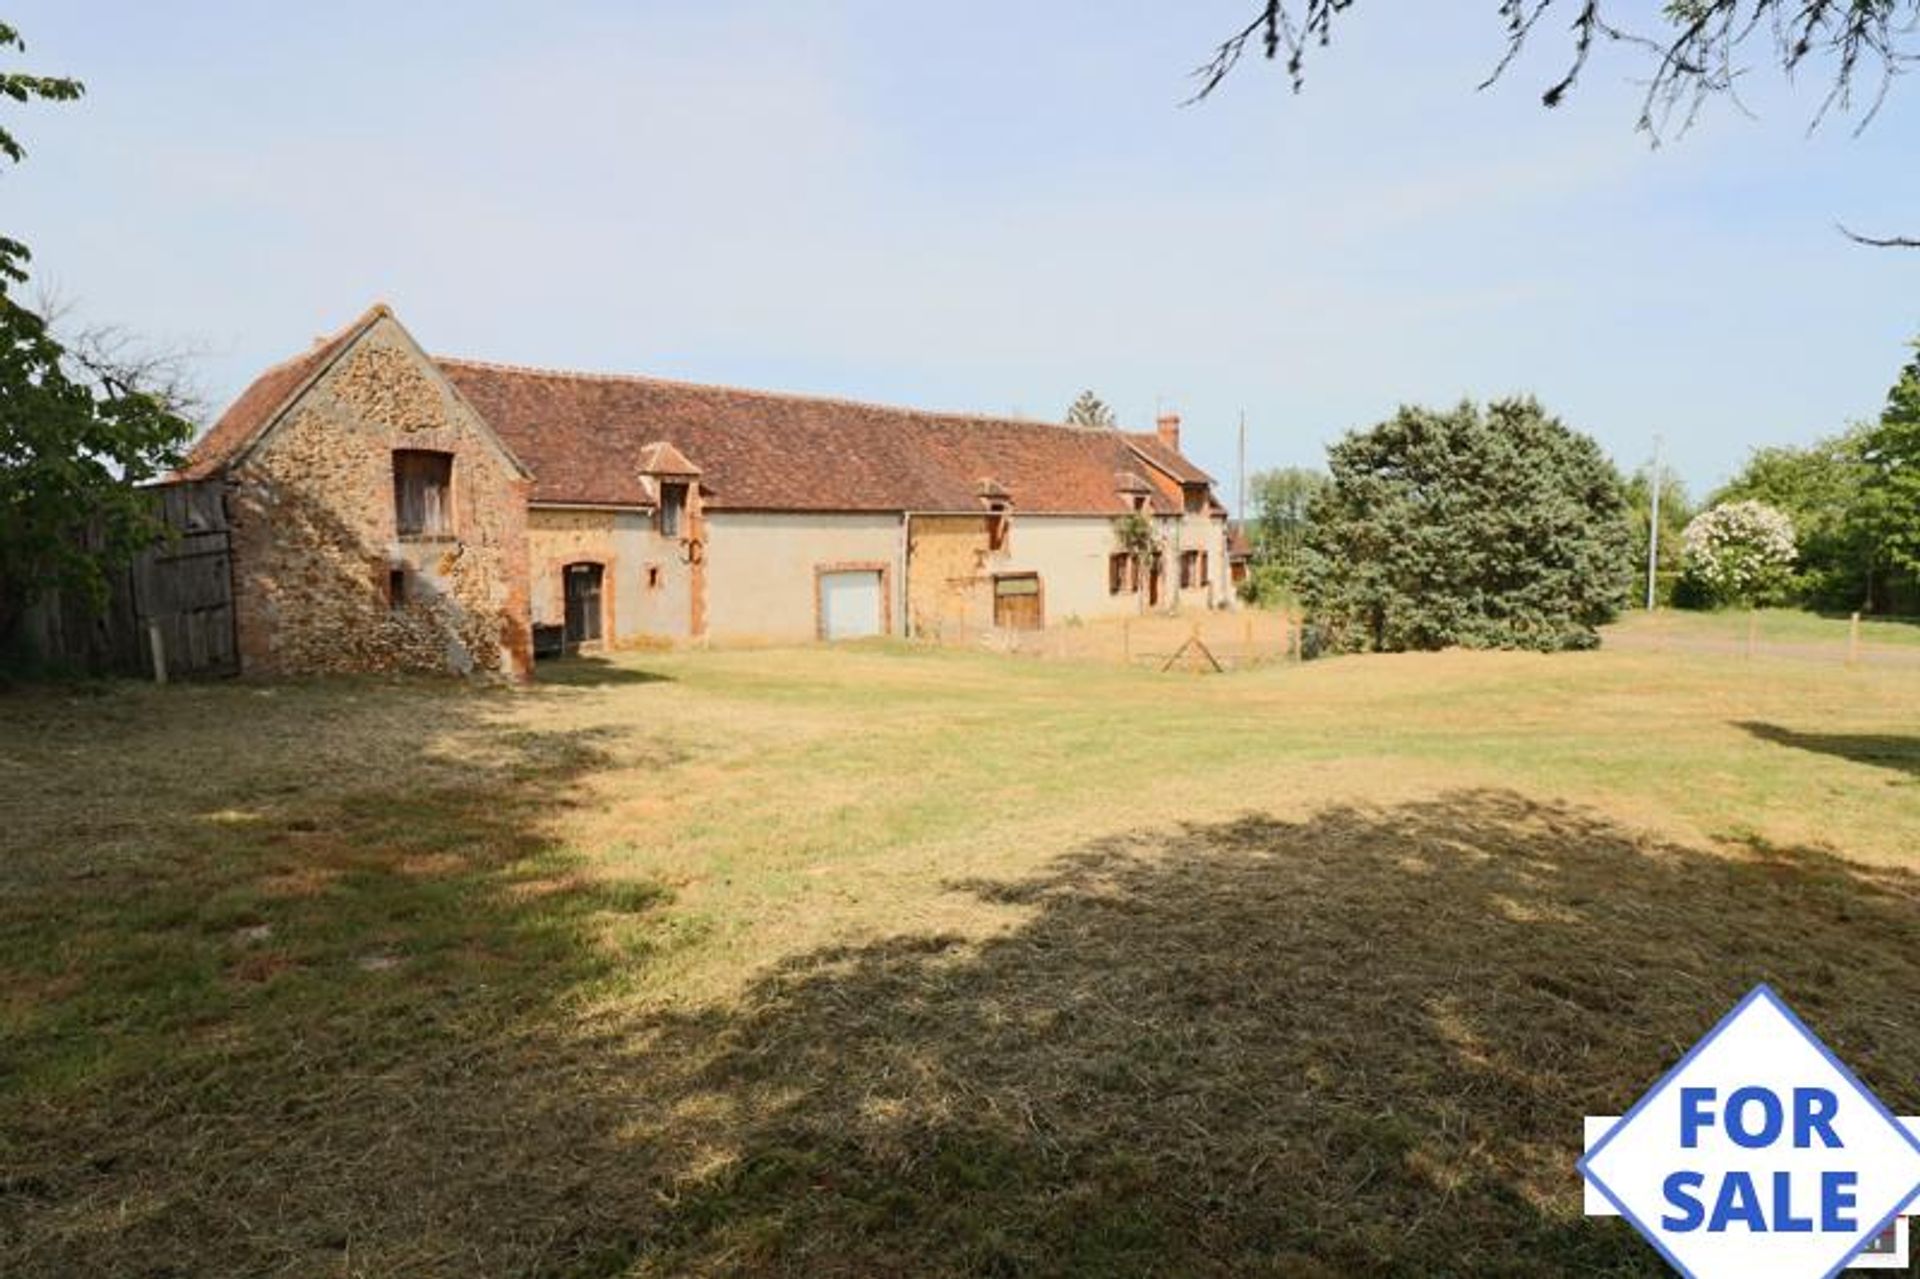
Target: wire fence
(1202, 641)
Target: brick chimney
(1168, 426)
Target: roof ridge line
(649, 379)
(373, 312)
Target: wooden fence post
(158, 647)
(1853, 640)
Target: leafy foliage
(1822, 489)
(1133, 533)
(76, 437)
(1854, 499)
(1282, 505)
(1089, 410)
(1499, 528)
(1741, 552)
(1891, 453)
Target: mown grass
(882, 961)
(1780, 626)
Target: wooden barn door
(1016, 602)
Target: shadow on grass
(1360, 1043)
(1356, 1043)
(292, 1010)
(1898, 752)
(584, 670)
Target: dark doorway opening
(583, 603)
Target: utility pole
(1240, 508)
(1653, 526)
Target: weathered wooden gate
(173, 602)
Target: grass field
(880, 961)
(1777, 626)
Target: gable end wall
(314, 533)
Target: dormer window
(999, 524)
(422, 493)
(1196, 498)
(673, 507)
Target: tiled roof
(589, 438)
(661, 458)
(1153, 450)
(584, 435)
(257, 405)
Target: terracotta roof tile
(1154, 451)
(584, 437)
(589, 438)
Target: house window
(1196, 499)
(1190, 570)
(396, 588)
(1123, 574)
(422, 487)
(1206, 569)
(998, 524)
(673, 508)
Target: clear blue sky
(987, 206)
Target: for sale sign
(1759, 1154)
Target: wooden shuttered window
(422, 493)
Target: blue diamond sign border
(1760, 992)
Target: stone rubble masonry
(314, 532)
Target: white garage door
(850, 604)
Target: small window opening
(1123, 573)
(422, 483)
(1189, 569)
(653, 577)
(396, 588)
(673, 508)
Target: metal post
(1240, 507)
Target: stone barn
(399, 511)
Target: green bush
(1499, 528)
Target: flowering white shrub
(1739, 550)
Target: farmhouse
(393, 510)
